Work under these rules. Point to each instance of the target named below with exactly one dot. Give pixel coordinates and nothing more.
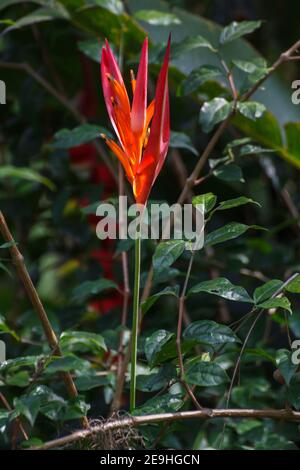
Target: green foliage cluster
(250, 192)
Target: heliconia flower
(143, 131)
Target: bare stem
(179, 331)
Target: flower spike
(143, 132)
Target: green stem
(135, 320)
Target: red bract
(143, 131)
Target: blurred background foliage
(52, 177)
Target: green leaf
(25, 173)
(92, 49)
(4, 328)
(65, 364)
(39, 15)
(292, 132)
(236, 202)
(209, 332)
(76, 408)
(197, 77)
(114, 6)
(32, 442)
(153, 382)
(67, 138)
(236, 30)
(285, 365)
(157, 18)
(154, 345)
(236, 143)
(166, 254)
(265, 130)
(89, 288)
(82, 341)
(256, 69)
(251, 66)
(251, 109)
(222, 287)
(19, 379)
(183, 141)
(89, 380)
(213, 112)
(253, 150)
(229, 173)
(150, 301)
(51, 404)
(227, 232)
(257, 352)
(167, 403)
(190, 43)
(7, 245)
(294, 286)
(208, 201)
(278, 302)
(8, 3)
(266, 291)
(12, 365)
(206, 374)
(28, 407)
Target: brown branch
(284, 57)
(52, 340)
(179, 331)
(230, 81)
(281, 415)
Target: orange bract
(142, 148)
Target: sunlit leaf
(222, 287)
(236, 30)
(213, 112)
(157, 18)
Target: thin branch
(230, 80)
(18, 260)
(281, 415)
(179, 331)
(284, 57)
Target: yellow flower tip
(103, 136)
(132, 76)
